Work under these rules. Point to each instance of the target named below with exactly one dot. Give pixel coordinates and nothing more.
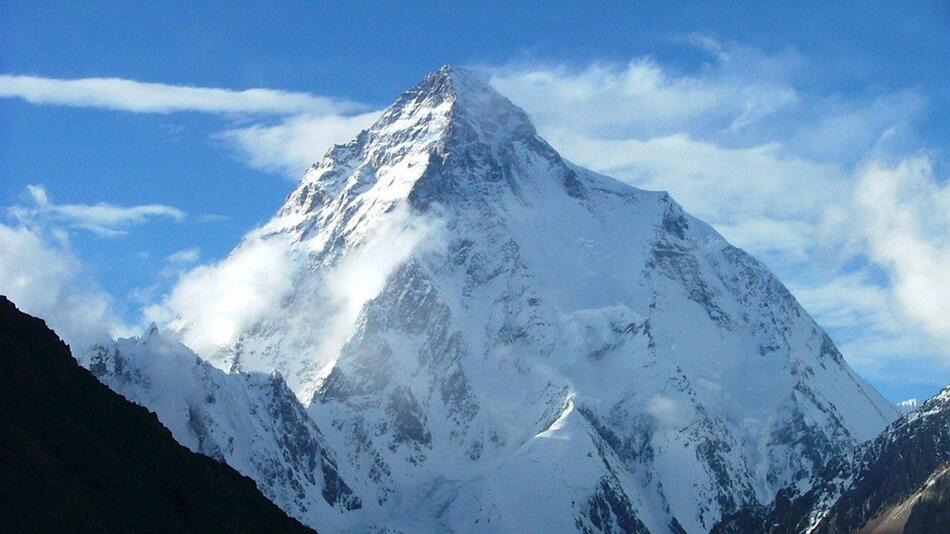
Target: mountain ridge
(251, 421)
(897, 482)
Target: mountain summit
(491, 338)
(446, 140)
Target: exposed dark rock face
(74, 456)
(610, 511)
(749, 520)
(931, 513)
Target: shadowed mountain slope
(74, 456)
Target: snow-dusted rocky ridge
(492, 339)
(897, 482)
(251, 421)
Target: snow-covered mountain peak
(470, 314)
(463, 100)
(447, 140)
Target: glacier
(480, 336)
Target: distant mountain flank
(77, 457)
(898, 482)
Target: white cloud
(668, 412)
(641, 99)
(212, 304)
(738, 142)
(143, 97)
(103, 219)
(905, 214)
(290, 146)
(269, 279)
(363, 274)
(836, 128)
(188, 255)
(41, 274)
(45, 279)
(311, 123)
(38, 193)
(176, 264)
(869, 328)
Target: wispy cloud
(188, 255)
(106, 220)
(306, 125)
(144, 97)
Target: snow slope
(493, 339)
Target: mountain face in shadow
(74, 456)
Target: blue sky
(812, 135)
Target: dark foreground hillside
(74, 456)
